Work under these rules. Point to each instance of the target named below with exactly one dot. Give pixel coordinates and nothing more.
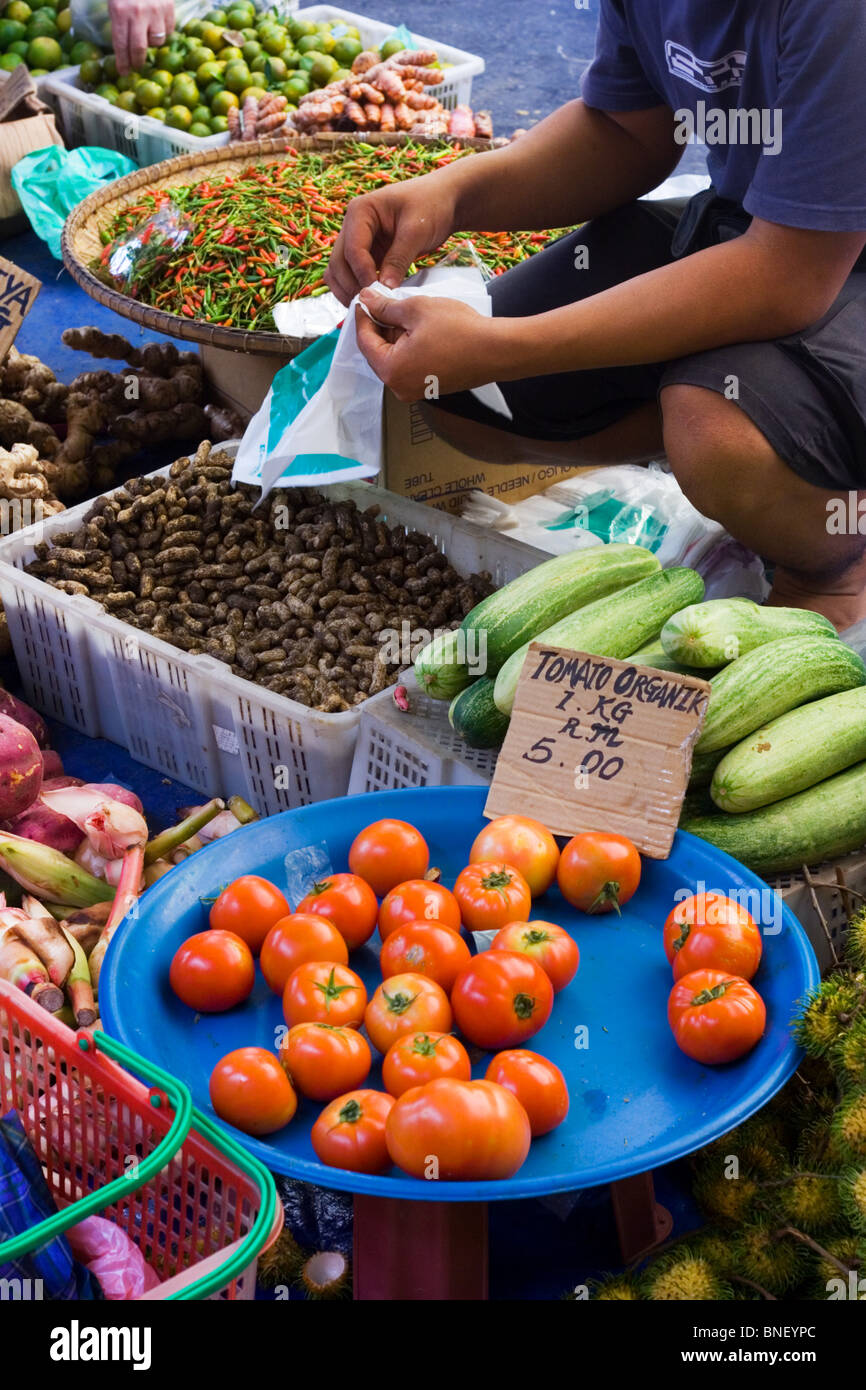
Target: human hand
(428, 347)
(385, 231)
(137, 25)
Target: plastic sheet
(51, 182)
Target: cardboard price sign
(599, 744)
(18, 290)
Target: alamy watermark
(763, 905)
(717, 125)
(400, 646)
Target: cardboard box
(26, 124)
(239, 379)
(420, 465)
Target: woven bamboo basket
(81, 241)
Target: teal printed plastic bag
(52, 181)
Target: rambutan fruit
(281, 1261)
(811, 1203)
(683, 1276)
(855, 940)
(325, 1275)
(848, 1128)
(729, 1201)
(617, 1288)
(853, 1198)
(849, 1053)
(827, 1013)
(777, 1265)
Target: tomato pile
(431, 1118)
(715, 948)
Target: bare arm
(768, 283)
(574, 165)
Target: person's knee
(714, 450)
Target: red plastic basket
(198, 1206)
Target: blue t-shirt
(773, 86)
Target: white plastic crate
(456, 86)
(41, 83)
(415, 747)
(189, 716)
(91, 120)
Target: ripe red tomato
(350, 1132)
(406, 1004)
(249, 907)
(250, 1090)
(300, 937)
(463, 1130)
(425, 948)
(538, 1084)
(387, 853)
(321, 992)
(348, 902)
(490, 894)
(715, 1017)
(417, 1058)
(598, 871)
(418, 900)
(549, 946)
(522, 842)
(212, 971)
(711, 931)
(324, 1061)
(501, 998)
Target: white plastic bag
(342, 424)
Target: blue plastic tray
(636, 1100)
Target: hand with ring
(137, 25)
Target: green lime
(296, 87)
(308, 43)
(215, 17)
(44, 53)
(178, 117)
(41, 29)
(127, 83)
(275, 70)
(249, 35)
(148, 94)
(109, 67)
(343, 75)
(82, 50)
(323, 69)
(201, 129)
(20, 47)
(193, 28)
(198, 56)
(10, 61)
(173, 60)
(212, 36)
(275, 41)
(252, 91)
(239, 15)
(44, 12)
(19, 10)
(157, 113)
(201, 113)
(230, 54)
(222, 102)
(346, 51)
(184, 91)
(108, 91)
(300, 28)
(64, 21)
(251, 50)
(219, 125)
(236, 76)
(209, 72)
(163, 78)
(211, 90)
(307, 61)
(390, 47)
(11, 31)
(90, 72)
(126, 101)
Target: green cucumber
(654, 654)
(703, 768)
(722, 629)
(824, 822)
(440, 667)
(793, 752)
(773, 679)
(474, 716)
(613, 626)
(530, 603)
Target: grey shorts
(805, 393)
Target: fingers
(396, 313)
(360, 229)
(372, 345)
(339, 278)
(120, 38)
(139, 25)
(167, 24)
(401, 253)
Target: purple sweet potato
(23, 714)
(20, 768)
(51, 764)
(40, 822)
